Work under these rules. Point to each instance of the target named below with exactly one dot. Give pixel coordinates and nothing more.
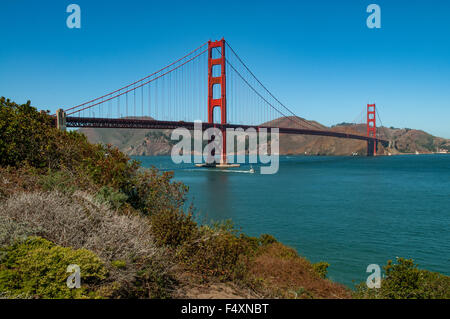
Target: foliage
(107, 166)
(38, 268)
(120, 264)
(152, 192)
(61, 180)
(404, 280)
(154, 281)
(218, 252)
(321, 268)
(172, 227)
(266, 239)
(77, 220)
(24, 133)
(277, 271)
(28, 138)
(344, 124)
(219, 256)
(110, 197)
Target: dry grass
(79, 221)
(282, 273)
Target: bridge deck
(154, 124)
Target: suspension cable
(270, 93)
(125, 92)
(127, 86)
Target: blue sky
(318, 57)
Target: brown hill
(132, 141)
(158, 142)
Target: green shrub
(61, 181)
(217, 253)
(173, 227)
(404, 280)
(37, 268)
(152, 192)
(154, 281)
(112, 198)
(321, 268)
(252, 243)
(119, 264)
(266, 239)
(23, 134)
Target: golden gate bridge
(211, 84)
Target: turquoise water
(348, 211)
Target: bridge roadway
(154, 124)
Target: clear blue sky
(318, 57)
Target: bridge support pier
(372, 146)
(61, 119)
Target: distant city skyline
(319, 58)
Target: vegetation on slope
(65, 201)
(404, 280)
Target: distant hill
(132, 141)
(158, 142)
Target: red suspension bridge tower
(214, 101)
(371, 130)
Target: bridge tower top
(371, 121)
(217, 80)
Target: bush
(404, 280)
(217, 252)
(29, 137)
(266, 239)
(173, 227)
(24, 134)
(38, 268)
(69, 162)
(321, 268)
(279, 272)
(152, 192)
(154, 281)
(110, 197)
(61, 181)
(79, 221)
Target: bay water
(347, 211)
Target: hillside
(66, 204)
(157, 142)
(131, 141)
(65, 201)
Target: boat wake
(250, 171)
